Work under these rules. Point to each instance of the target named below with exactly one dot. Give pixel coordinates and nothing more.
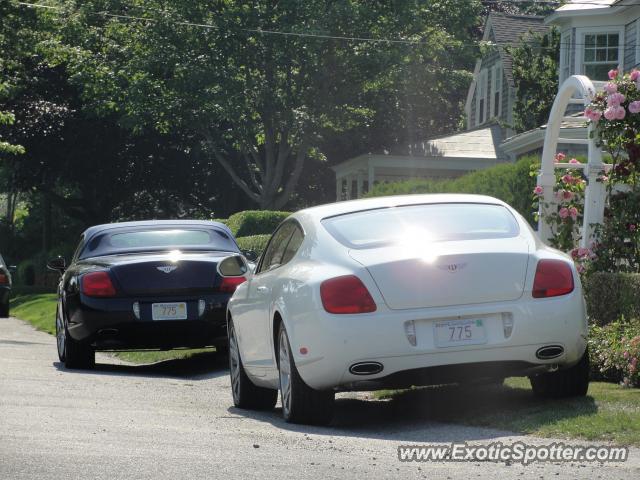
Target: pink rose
(564, 212)
(603, 178)
(560, 157)
(620, 113)
(583, 252)
(615, 99)
(567, 195)
(625, 355)
(580, 268)
(568, 179)
(573, 211)
(632, 227)
(594, 116)
(574, 161)
(574, 253)
(635, 74)
(613, 74)
(538, 190)
(634, 107)
(610, 88)
(610, 113)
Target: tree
(260, 84)
(535, 74)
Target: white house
(596, 36)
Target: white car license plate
(450, 333)
(169, 311)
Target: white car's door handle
(262, 289)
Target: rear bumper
(110, 324)
(343, 340)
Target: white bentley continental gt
(399, 291)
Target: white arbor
(577, 89)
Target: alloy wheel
(60, 335)
(234, 364)
(285, 373)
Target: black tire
(245, 394)
(70, 352)
(4, 310)
(300, 403)
(570, 382)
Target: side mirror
(250, 255)
(57, 264)
(13, 269)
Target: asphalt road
(176, 420)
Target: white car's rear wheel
(300, 403)
(245, 393)
(570, 382)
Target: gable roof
(508, 30)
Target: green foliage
(255, 222)
(535, 74)
(257, 243)
(615, 352)
(258, 103)
(509, 182)
(610, 296)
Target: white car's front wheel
(300, 403)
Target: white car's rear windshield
(432, 222)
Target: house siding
(630, 36)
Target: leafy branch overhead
(259, 101)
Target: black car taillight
(229, 284)
(97, 284)
(553, 278)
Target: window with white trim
(565, 56)
(496, 91)
(602, 50)
(481, 97)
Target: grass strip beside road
(40, 311)
(609, 412)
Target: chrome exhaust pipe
(549, 352)
(366, 368)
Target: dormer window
(481, 97)
(496, 91)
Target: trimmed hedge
(611, 296)
(510, 182)
(255, 222)
(257, 243)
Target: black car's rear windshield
(430, 222)
(158, 239)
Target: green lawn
(40, 310)
(608, 412)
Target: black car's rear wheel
(72, 353)
(4, 310)
(245, 393)
(300, 403)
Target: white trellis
(577, 89)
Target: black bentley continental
(146, 285)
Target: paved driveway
(175, 420)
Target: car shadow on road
(199, 366)
(429, 414)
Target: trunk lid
(462, 273)
(164, 273)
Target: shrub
(615, 352)
(255, 222)
(610, 296)
(257, 243)
(220, 220)
(510, 182)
